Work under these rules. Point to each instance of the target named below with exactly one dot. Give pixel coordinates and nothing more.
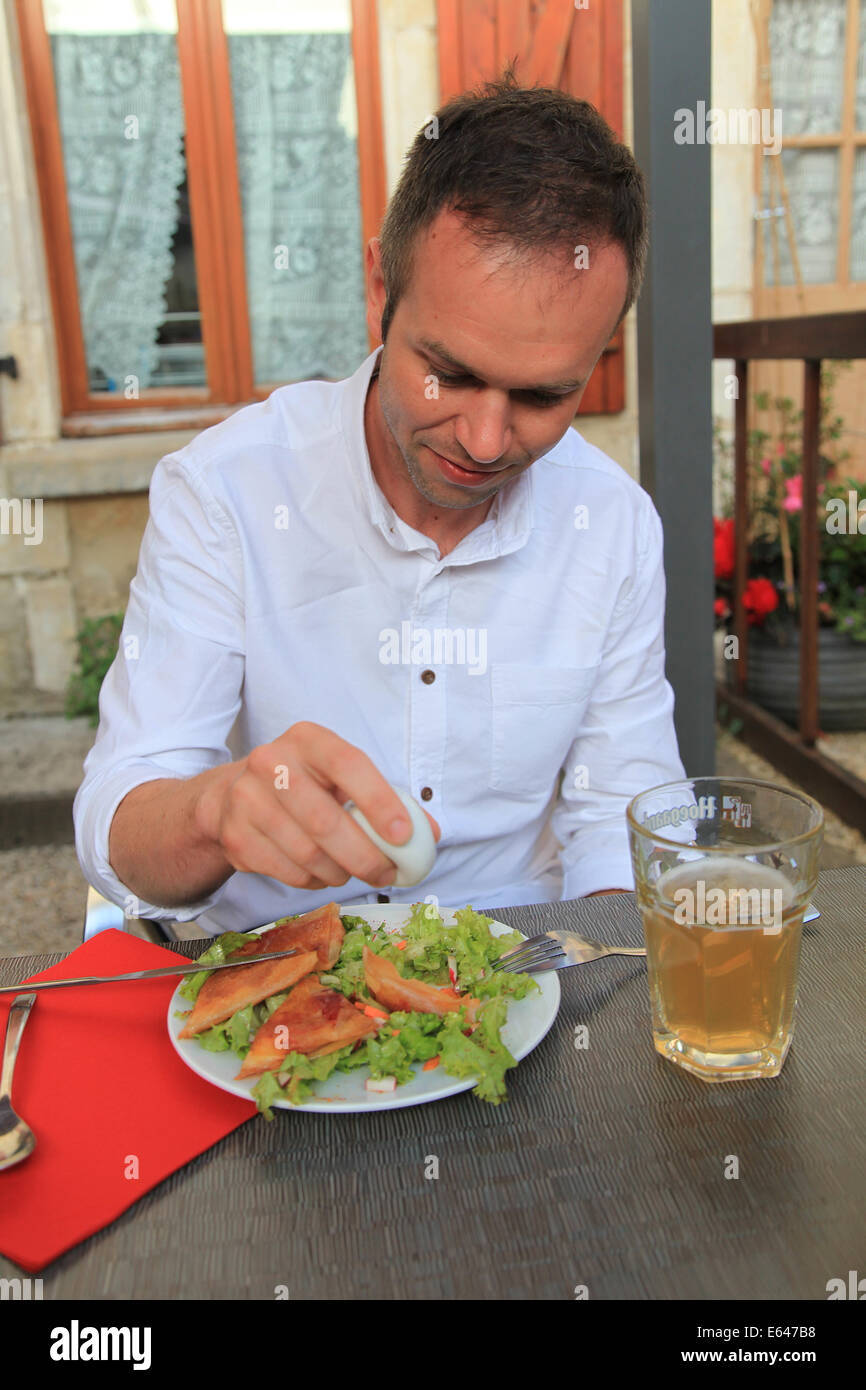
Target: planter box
(773, 679)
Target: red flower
(759, 599)
(723, 548)
(720, 608)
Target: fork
(557, 949)
(17, 1139)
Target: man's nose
(484, 430)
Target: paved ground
(842, 843)
(42, 903)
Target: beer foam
(727, 872)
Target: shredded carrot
(395, 1032)
(374, 1013)
(429, 1065)
(401, 945)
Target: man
(418, 576)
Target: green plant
(97, 640)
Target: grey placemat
(605, 1168)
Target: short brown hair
(531, 168)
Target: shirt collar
(506, 528)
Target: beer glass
(724, 868)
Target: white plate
(528, 1021)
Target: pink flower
(765, 464)
(793, 501)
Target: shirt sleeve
(627, 742)
(172, 694)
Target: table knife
(810, 916)
(144, 974)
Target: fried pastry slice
(317, 936)
(396, 994)
(226, 991)
(321, 931)
(314, 1019)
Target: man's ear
(376, 296)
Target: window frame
(215, 205)
(772, 300)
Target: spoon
(17, 1139)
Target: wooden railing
(811, 341)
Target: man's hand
(279, 812)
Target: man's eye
(537, 397)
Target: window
(810, 228)
(812, 223)
(209, 176)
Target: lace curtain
(807, 57)
(298, 172)
(122, 191)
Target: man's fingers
(356, 778)
(259, 855)
(271, 820)
(343, 796)
(342, 841)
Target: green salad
(460, 956)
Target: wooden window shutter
(555, 44)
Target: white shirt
(276, 583)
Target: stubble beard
(438, 495)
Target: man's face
(526, 338)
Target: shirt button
(428, 677)
(426, 793)
(383, 898)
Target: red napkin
(101, 1086)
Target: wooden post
(741, 521)
(809, 555)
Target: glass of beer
(724, 868)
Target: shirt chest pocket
(536, 712)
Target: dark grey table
(606, 1167)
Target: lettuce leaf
(302, 1071)
(486, 1057)
(214, 955)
